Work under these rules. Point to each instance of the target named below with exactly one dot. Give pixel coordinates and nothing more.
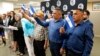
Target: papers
(9, 27)
(1, 26)
(13, 28)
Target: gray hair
(19, 15)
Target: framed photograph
(96, 6)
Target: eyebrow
(53, 13)
(74, 13)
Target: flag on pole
(31, 10)
(70, 21)
(23, 7)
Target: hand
(62, 50)
(13, 28)
(46, 44)
(30, 39)
(34, 15)
(62, 30)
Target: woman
(18, 34)
(28, 29)
(11, 23)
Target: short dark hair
(87, 12)
(81, 10)
(57, 8)
(4, 14)
(13, 12)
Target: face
(8, 14)
(3, 16)
(12, 14)
(49, 16)
(85, 15)
(17, 18)
(56, 14)
(77, 15)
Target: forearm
(44, 24)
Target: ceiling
(24, 1)
(33, 2)
(20, 1)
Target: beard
(84, 18)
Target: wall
(95, 18)
(5, 7)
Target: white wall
(5, 7)
(95, 18)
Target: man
(86, 14)
(54, 25)
(86, 17)
(80, 38)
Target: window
(96, 6)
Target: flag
(70, 21)
(31, 10)
(23, 7)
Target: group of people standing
(77, 41)
(36, 33)
(10, 21)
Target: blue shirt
(80, 39)
(28, 27)
(53, 29)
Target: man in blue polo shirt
(79, 40)
(54, 26)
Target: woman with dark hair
(11, 23)
(12, 18)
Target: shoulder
(88, 23)
(50, 20)
(24, 19)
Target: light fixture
(46, 0)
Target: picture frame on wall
(96, 6)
